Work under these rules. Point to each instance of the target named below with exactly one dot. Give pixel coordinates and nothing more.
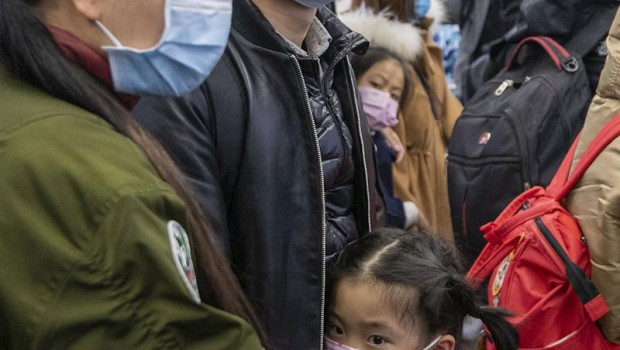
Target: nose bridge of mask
(334, 345)
(376, 96)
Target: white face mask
(333, 345)
(194, 38)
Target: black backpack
(513, 134)
(560, 19)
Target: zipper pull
(503, 86)
(527, 79)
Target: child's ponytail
(450, 298)
(502, 333)
(431, 267)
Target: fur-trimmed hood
(404, 39)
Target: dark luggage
(513, 134)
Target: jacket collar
(251, 25)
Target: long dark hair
(374, 55)
(423, 279)
(28, 51)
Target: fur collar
(402, 38)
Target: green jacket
(86, 236)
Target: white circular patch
(500, 275)
(182, 256)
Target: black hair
(374, 55)
(423, 281)
(29, 52)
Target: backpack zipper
(525, 167)
(322, 186)
(503, 86)
(510, 83)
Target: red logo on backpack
(484, 138)
(539, 266)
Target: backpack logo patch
(500, 276)
(484, 138)
(182, 256)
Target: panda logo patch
(182, 256)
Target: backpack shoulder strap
(588, 37)
(592, 300)
(226, 90)
(562, 184)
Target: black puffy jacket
(336, 146)
(281, 161)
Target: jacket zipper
(358, 125)
(322, 186)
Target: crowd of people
(257, 174)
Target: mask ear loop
(482, 340)
(109, 34)
(433, 343)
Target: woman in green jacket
(93, 213)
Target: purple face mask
(381, 110)
(333, 345)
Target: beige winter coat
(422, 176)
(595, 201)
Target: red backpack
(539, 264)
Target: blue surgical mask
(422, 7)
(194, 38)
(315, 4)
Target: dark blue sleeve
(394, 211)
(182, 126)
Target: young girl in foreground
(397, 290)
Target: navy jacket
(247, 141)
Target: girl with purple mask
(382, 84)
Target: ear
(91, 9)
(446, 342)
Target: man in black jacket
(280, 157)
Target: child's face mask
(332, 345)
